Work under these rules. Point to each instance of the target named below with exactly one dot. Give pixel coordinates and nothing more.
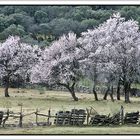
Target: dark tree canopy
(42, 24)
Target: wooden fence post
(49, 114)
(57, 118)
(88, 115)
(122, 115)
(20, 117)
(36, 117)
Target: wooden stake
(36, 117)
(49, 114)
(122, 115)
(20, 117)
(88, 115)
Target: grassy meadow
(56, 101)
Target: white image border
(69, 2)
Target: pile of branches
(103, 120)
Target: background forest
(41, 25)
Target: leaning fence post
(122, 115)
(20, 117)
(6, 118)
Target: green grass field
(56, 101)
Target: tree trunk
(7, 87)
(127, 100)
(94, 91)
(71, 90)
(73, 95)
(126, 92)
(118, 91)
(95, 83)
(111, 94)
(106, 93)
(95, 95)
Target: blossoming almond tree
(116, 43)
(127, 47)
(89, 42)
(123, 43)
(95, 44)
(16, 58)
(59, 64)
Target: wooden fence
(74, 117)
